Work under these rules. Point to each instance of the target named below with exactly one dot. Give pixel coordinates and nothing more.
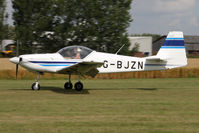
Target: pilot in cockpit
(77, 51)
(74, 52)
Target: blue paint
(52, 65)
(152, 65)
(155, 64)
(173, 43)
(173, 47)
(55, 62)
(174, 38)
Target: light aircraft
(79, 60)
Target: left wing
(82, 68)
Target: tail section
(172, 53)
(173, 50)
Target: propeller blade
(17, 54)
(17, 66)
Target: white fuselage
(112, 63)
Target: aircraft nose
(14, 60)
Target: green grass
(104, 106)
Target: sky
(159, 16)
(162, 16)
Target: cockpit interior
(75, 52)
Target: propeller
(17, 66)
(16, 60)
(17, 54)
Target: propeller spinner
(16, 61)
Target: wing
(82, 68)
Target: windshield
(74, 52)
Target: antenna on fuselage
(120, 49)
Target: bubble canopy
(75, 52)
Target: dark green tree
(31, 19)
(2, 17)
(9, 32)
(100, 25)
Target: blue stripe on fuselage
(153, 65)
(49, 62)
(53, 64)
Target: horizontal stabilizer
(154, 58)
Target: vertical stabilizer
(173, 50)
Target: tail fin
(173, 50)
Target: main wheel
(68, 85)
(35, 86)
(78, 86)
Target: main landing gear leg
(36, 86)
(68, 85)
(78, 85)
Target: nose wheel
(36, 86)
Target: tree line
(53, 24)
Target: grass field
(105, 106)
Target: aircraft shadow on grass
(63, 91)
(144, 89)
(56, 90)
(147, 89)
(85, 91)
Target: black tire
(34, 87)
(79, 86)
(68, 85)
